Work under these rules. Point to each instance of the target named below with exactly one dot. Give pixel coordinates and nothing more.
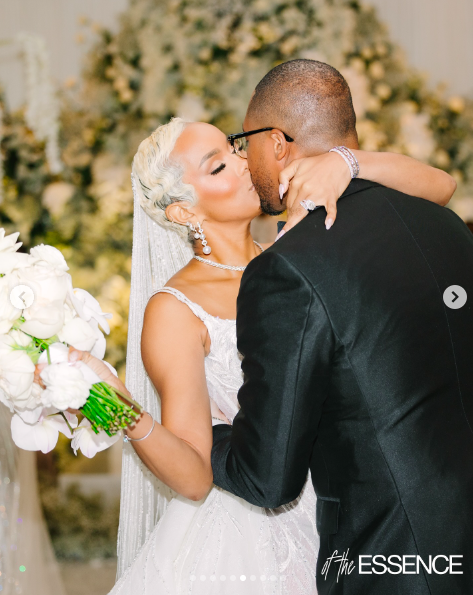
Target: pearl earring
(199, 235)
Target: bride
(179, 533)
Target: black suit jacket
(355, 368)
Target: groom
(355, 366)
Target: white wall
(58, 22)
(437, 36)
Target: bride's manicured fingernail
(281, 191)
(280, 234)
(329, 223)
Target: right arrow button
(454, 297)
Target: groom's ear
(280, 145)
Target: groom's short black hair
(308, 100)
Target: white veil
(157, 255)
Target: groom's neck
(298, 152)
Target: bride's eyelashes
(220, 168)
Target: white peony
(90, 443)
(48, 256)
(44, 318)
(11, 261)
(88, 308)
(66, 386)
(16, 372)
(49, 283)
(58, 353)
(42, 435)
(78, 333)
(8, 313)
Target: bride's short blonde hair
(160, 176)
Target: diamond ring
(309, 205)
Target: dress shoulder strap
(196, 309)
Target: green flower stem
(108, 409)
(65, 419)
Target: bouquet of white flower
(41, 315)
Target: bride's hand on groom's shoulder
(321, 179)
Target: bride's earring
(199, 235)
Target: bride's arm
(324, 178)
(406, 175)
(172, 346)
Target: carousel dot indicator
(243, 577)
(22, 568)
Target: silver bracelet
(350, 160)
(128, 439)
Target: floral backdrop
(201, 60)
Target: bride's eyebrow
(209, 155)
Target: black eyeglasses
(239, 142)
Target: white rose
(16, 372)
(90, 443)
(48, 256)
(87, 307)
(79, 334)
(43, 434)
(65, 386)
(8, 313)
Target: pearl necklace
(228, 267)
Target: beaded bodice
(223, 363)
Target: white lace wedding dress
(222, 545)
